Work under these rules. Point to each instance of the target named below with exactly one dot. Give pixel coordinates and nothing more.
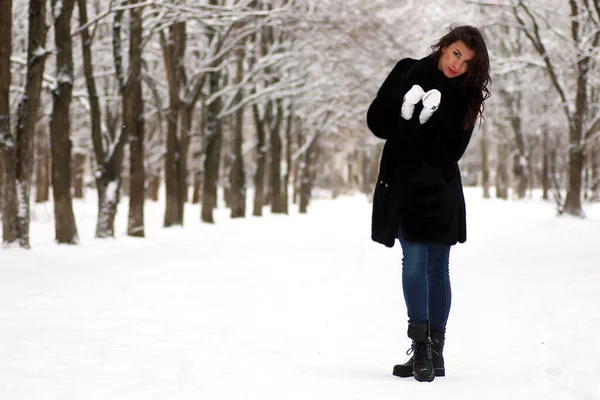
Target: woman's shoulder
(406, 62)
(402, 67)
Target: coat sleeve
(383, 116)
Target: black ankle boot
(422, 366)
(437, 357)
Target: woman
(426, 110)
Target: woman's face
(454, 58)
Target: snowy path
(302, 307)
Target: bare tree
(60, 124)
(174, 51)
(275, 117)
(583, 39)
(135, 113)
(107, 143)
(27, 115)
(237, 177)
(213, 129)
(7, 141)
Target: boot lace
(418, 348)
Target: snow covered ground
(297, 307)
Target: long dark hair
(477, 76)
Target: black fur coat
(419, 189)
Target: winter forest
(186, 192)
(205, 102)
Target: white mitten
(431, 101)
(412, 97)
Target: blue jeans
(426, 283)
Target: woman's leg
(414, 280)
(439, 292)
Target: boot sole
(439, 372)
(425, 379)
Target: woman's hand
(411, 98)
(431, 102)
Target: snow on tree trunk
(108, 200)
(60, 126)
(109, 145)
(8, 192)
(27, 115)
(9, 199)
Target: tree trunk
(485, 164)
(307, 176)
(502, 171)
(288, 161)
(556, 179)
(575, 161)
(197, 196)
(212, 128)
(576, 144)
(60, 126)
(277, 206)
(520, 169)
(28, 114)
(296, 176)
(108, 146)
(8, 192)
(212, 161)
(261, 161)
(135, 100)
(78, 172)
(108, 200)
(173, 52)
(42, 174)
(125, 180)
(237, 177)
(520, 158)
(595, 173)
(184, 140)
(545, 163)
(153, 188)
